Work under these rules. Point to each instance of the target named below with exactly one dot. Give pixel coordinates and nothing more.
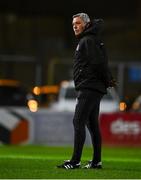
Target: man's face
(78, 25)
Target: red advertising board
(121, 128)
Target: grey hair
(83, 16)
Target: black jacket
(90, 69)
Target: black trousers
(86, 114)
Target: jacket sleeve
(98, 61)
(107, 77)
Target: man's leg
(93, 126)
(79, 121)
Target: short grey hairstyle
(83, 16)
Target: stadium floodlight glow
(33, 105)
(36, 90)
(122, 106)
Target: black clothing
(90, 69)
(86, 113)
(91, 78)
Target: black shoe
(69, 165)
(92, 165)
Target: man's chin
(77, 34)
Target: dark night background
(37, 41)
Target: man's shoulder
(88, 38)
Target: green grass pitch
(39, 162)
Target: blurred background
(36, 54)
(37, 38)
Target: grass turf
(40, 162)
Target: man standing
(91, 78)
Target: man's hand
(113, 83)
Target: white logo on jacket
(77, 48)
